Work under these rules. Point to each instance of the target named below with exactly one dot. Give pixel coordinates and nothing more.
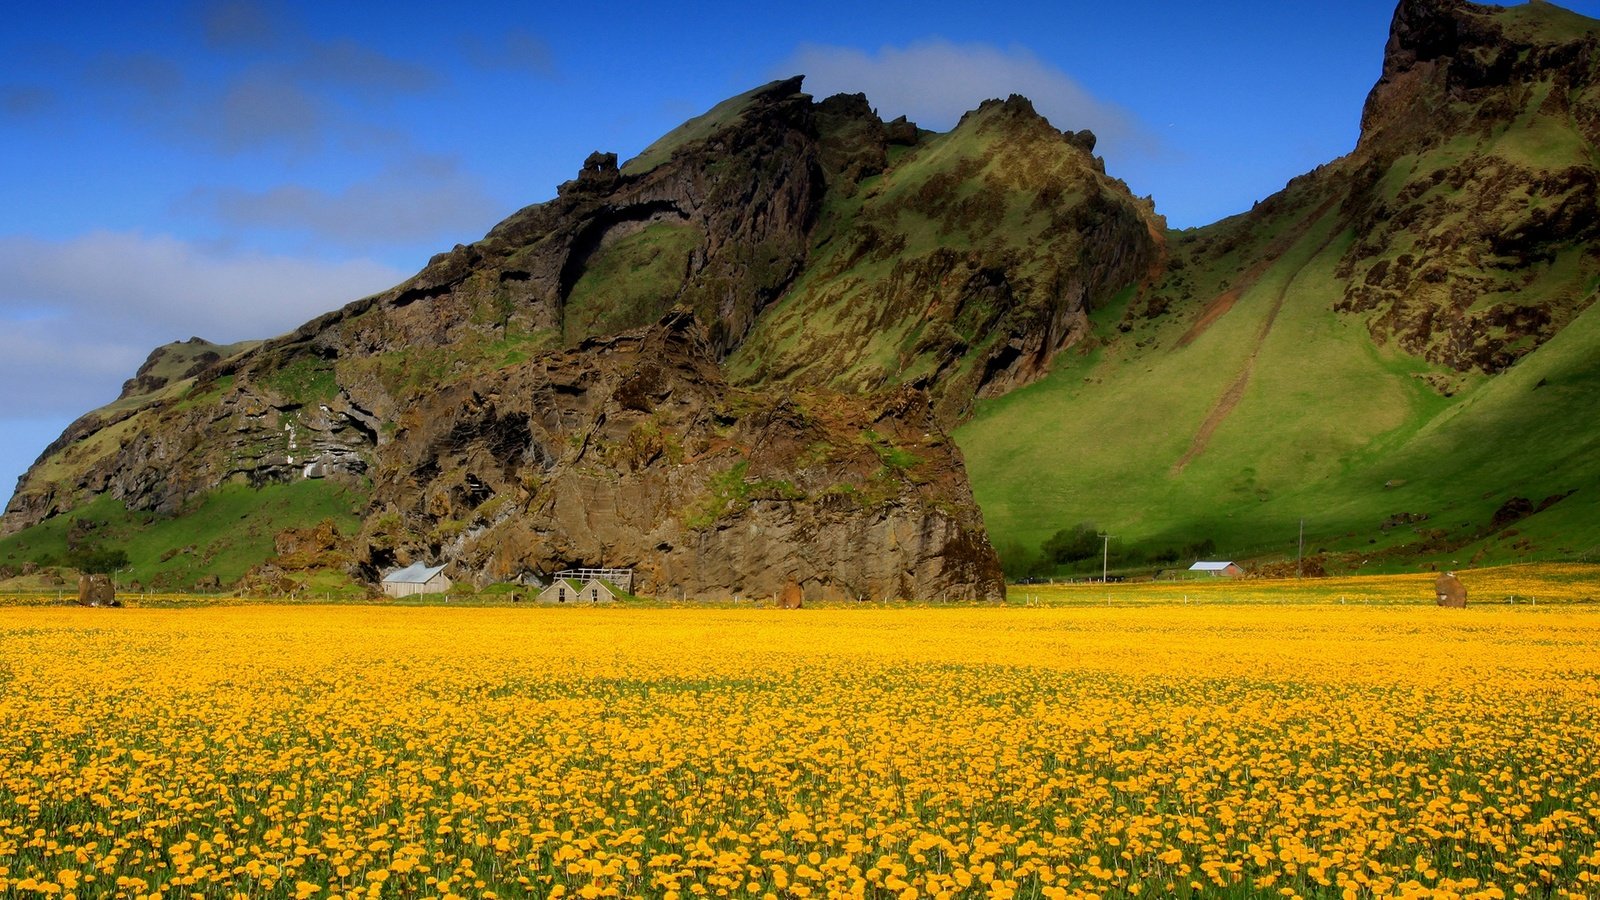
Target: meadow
(1154, 749)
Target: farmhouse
(416, 578)
(1222, 568)
(571, 590)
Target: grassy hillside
(1282, 409)
(225, 534)
(1400, 349)
(632, 282)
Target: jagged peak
(1016, 107)
(1442, 51)
(719, 118)
(853, 105)
(1425, 30)
(1018, 112)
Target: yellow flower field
(1209, 750)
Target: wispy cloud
(352, 66)
(934, 81)
(421, 199)
(512, 50)
(263, 83)
(20, 101)
(260, 109)
(81, 314)
(241, 24)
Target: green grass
(698, 128)
(1326, 421)
(305, 381)
(224, 534)
(415, 370)
(1546, 22)
(174, 361)
(631, 282)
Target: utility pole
(1299, 560)
(1105, 558)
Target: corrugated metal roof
(416, 573)
(1210, 566)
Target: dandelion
(1334, 751)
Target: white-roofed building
(1221, 568)
(417, 578)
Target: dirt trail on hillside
(1219, 305)
(1235, 391)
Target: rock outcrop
(704, 231)
(632, 451)
(96, 590)
(1472, 179)
(1450, 592)
(964, 268)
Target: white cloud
(81, 314)
(933, 82)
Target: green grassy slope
(1400, 348)
(1236, 435)
(225, 534)
(632, 282)
(696, 129)
(1110, 436)
(168, 372)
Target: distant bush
(1069, 545)
(97, 560)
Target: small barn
(1219, 568)
(571, 590)
(416, 578)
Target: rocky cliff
(963, 267)
(734, 358)
(633, 451)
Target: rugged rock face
(728, 362)
(963, 268)
(632, 451)
(160, 456)
(721, 219)
(1470, 199)
(1473, 180)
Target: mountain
(1399, 348)
(736, 362)
(553, 396)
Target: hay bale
(1450, 591)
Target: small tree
(97, 560)
(1070, 545)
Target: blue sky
(230, 169)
